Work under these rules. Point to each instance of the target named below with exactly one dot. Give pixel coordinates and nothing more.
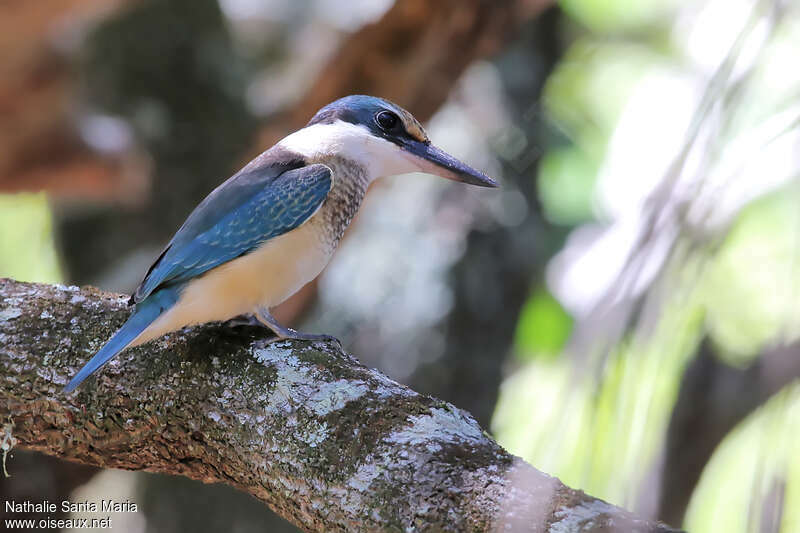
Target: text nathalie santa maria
(66, 506)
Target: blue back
(244, 212)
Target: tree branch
(325, 442)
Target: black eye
(387, 120)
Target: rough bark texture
(324, 441)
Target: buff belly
(265, 277)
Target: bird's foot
(283, 333)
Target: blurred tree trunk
(503, 263)
(174, 88)
(713, 398)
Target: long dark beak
(435, 161)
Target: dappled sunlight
(27, 244)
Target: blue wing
(242, 213)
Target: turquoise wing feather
(236, 218)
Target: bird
(273, 226)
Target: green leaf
(543, 327)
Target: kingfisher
(273, 226)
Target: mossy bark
(324, 441)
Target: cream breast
(264, 277)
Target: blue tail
(146, 312)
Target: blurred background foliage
(623, 313)
(26, 239)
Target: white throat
(354, 142)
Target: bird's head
(383, 137)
